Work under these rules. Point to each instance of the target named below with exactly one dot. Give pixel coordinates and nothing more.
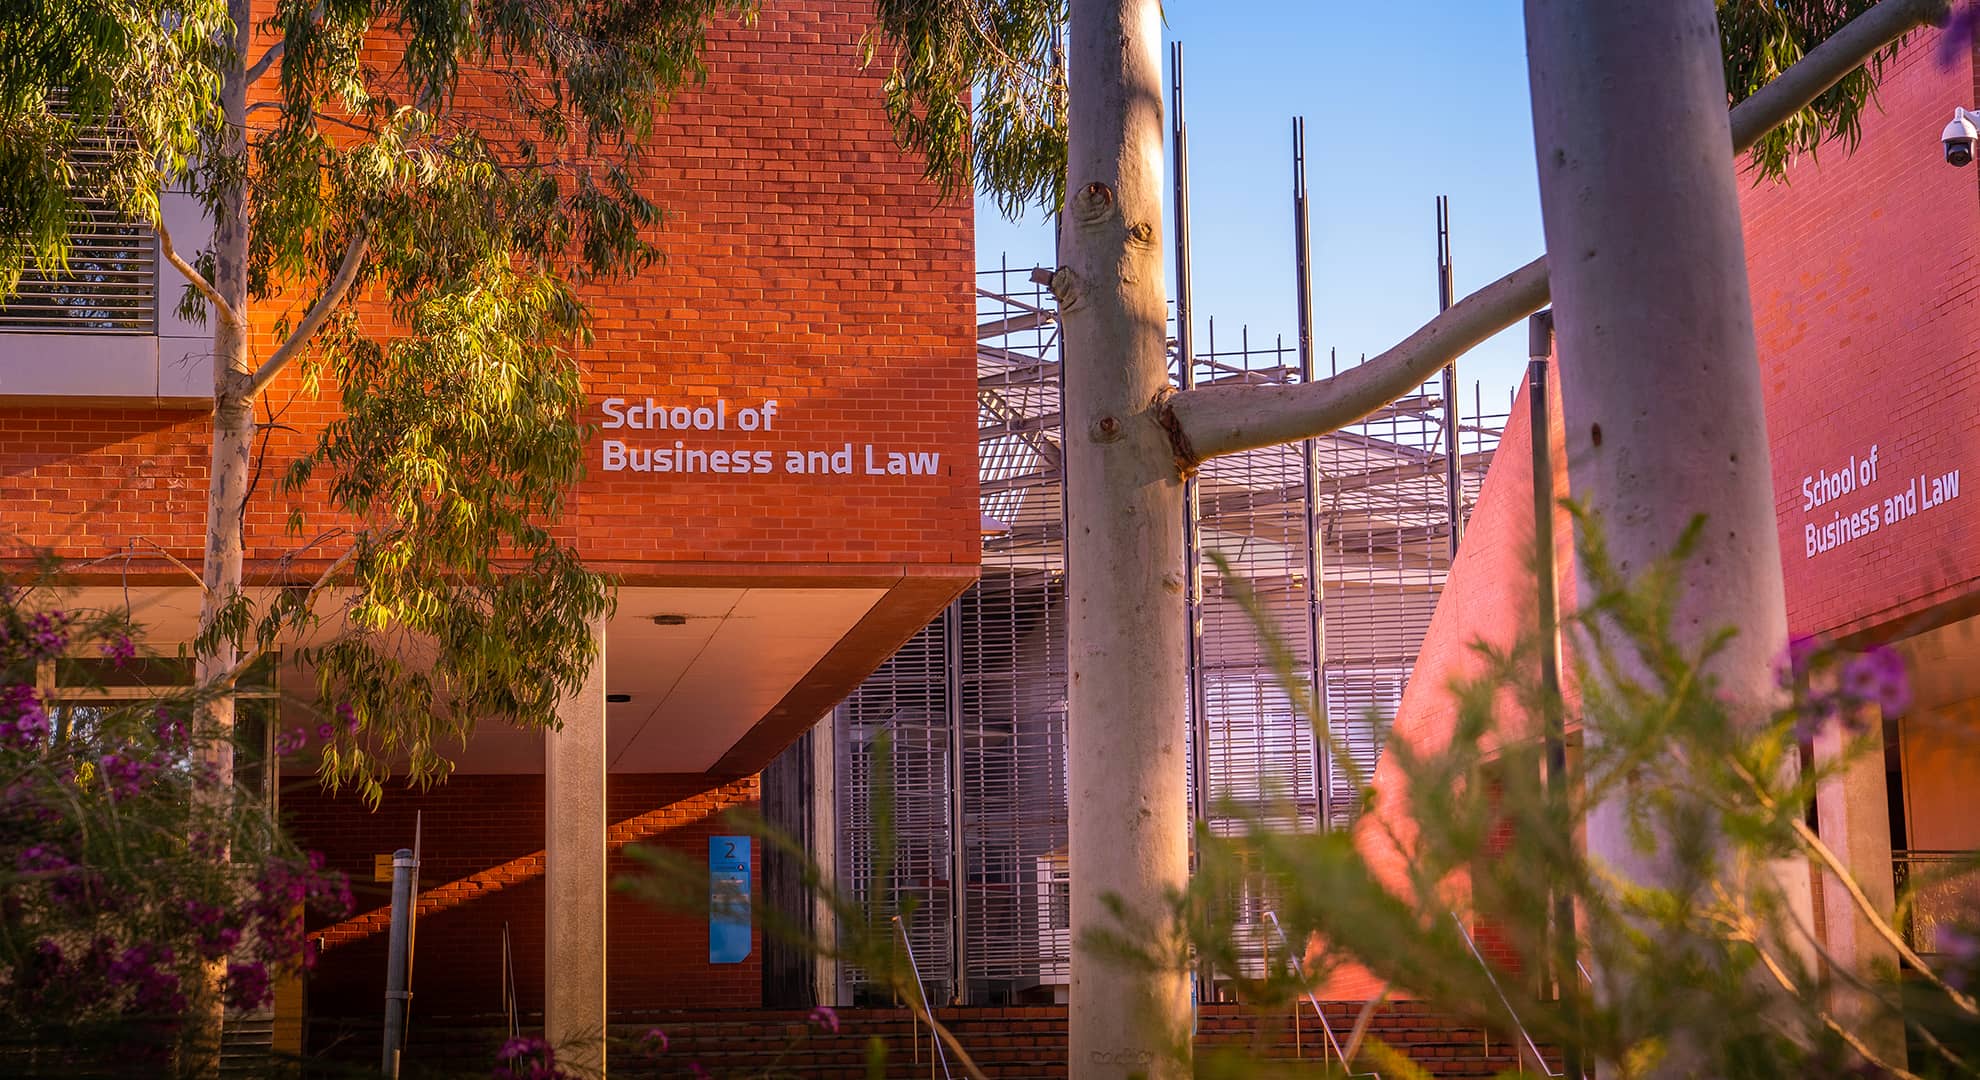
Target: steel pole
(397, 966)
(1453, 453)
(1316, 629)
(1540, 347)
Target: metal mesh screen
(903, 707)
(976, 703)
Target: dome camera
(1959, 138)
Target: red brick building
(784, 483)
(1865, 270)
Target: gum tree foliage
(466, 170)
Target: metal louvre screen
(905, 704)
(1380, 497)
(111, 282)
(976, 703)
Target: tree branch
(260, 67)
(205, 287)
(333, 293)
(1210, 421)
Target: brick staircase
(1007, 1042)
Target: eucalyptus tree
(1131, 438)
(376, 177)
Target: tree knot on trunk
(1094, 204)
(1164, 409)
(1065, 289)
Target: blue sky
(1403, 102)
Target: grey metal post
(1453, 451)
(958, 856)
(1192, 507)
(1199, 724)
(1540, 346)
(1316, 625)
(404, 865)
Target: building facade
(782, 481)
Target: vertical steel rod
(1453, 454)
(1316, 627)
(958, 855)
(1540, 346)
(1199, 728)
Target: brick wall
(1488, 597)
(1018, 1042)
(482, 866)
(1865, 269)
(804, 259)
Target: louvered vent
(111, 283)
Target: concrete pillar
(1853, 816)
(574, 875)
(824, 845)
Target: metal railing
(1327, 1029)
(1511, 1012)
(937, 1055)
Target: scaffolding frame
(976, 703)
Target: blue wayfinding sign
(728, 899)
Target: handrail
(921, 992)
(1300, 970)
(1503, 1000)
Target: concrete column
(574, 874)
(824, 844)
(1852, 811)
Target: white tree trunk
(1660, 380)
(1129, 806)
(233, 441)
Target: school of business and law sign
(717, 438)
(1847, 501)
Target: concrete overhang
(711, 671)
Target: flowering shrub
(126, 902)
(1704, 965)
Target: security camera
(1959, 138)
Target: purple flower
(1961, 949)
(656, 1040)
(1878, 677)
(38, 858)
(1802, 653)
(23, 721)
(324, 733)
(171, 730)
(124, 776)
(825, 1018)
(48, 635)
(119, 650)
(349, 716)
(248, 985)
(80, 889)
(520, 1046)
(1958, 34)
(290, 741)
